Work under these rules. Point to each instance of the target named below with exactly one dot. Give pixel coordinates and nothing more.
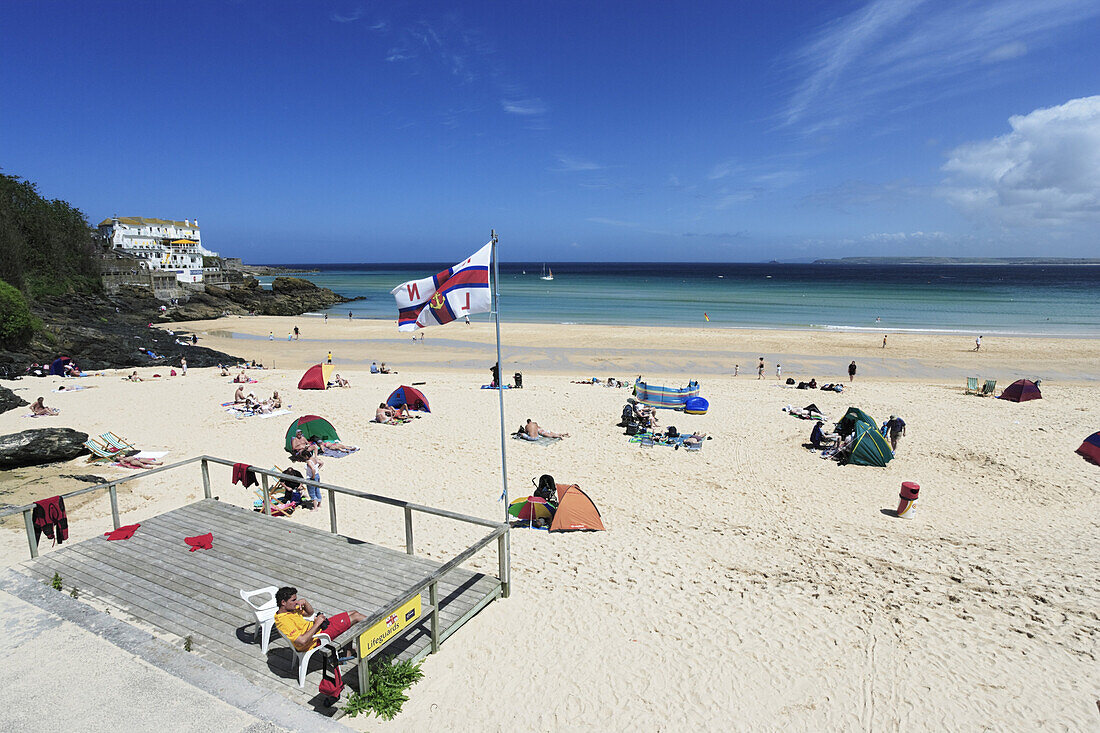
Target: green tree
(16, 322)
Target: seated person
(225, 371)
(819, 438)
(299, 622)
(37, 408)
(303, 451)
(532, 431)
(374, 367)
(384, 414)
(239, 396)
(240, 379)
(134, 377)
(401, 412)
(340, 381)
(276, 401)
(384, 369)
(292, 490)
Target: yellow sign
(437, 301)
(389, 627)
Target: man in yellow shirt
(291, 619)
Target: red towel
(200, 542)
(122, 533)
(243, 474)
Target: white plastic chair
(265, 613)
(303, 657)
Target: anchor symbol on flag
(437, 301)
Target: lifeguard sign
(389, 627)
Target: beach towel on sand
(543, 440)
(329, 453)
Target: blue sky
(383, 131)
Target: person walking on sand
(778, 371)
(295, 333)
(760, 369)
(884, 341)
(852, 371)
(895, 428)
(326, 318)
(270, 335)
(183, 365)
(736, 368)
(978, 343)
(349, 315)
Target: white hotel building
(159, 244)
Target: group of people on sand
(609, 382)
(251, 403)
(388, 415)
(308, 451)
(383, 369)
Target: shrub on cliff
(16, 322)
(46, 246)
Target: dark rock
(43, 445)
(10, 400)
(88, 478)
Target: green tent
(854, 415)
(869, 448)
(311, 427)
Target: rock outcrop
(10, 400)
(38, 446)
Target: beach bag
(546, 488)
(632, 429)
(334, 686)
(790, 380)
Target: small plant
(74, 592)
(187, 642)
(386, 694)
(55, 583)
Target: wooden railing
(498, 532)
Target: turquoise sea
(1056, 300)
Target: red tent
(1090, 449)
(316, 377)
(1022, 390)
(410, 396)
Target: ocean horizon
(989, 299)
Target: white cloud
(887, 47)
(569, 164)
(526, 107)
(350, 17)
(1045, 171)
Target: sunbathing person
(225, 371)
(298, 621)
(134, 377)
(384, 415)
(340, 381)
(276, 401)
(37, 408)
(695, 437)
(333, 445)
(239, 396)
(533, 431)
(132, 461)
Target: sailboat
(547, 275)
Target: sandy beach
(749, 586)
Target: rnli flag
(452, 294)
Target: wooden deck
(153, 579)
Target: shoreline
(584, 351)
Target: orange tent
(575, 510)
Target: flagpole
(500, 381)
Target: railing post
(409, 530)
(505, 559)
(28, 521)
(112, 489)
(267, 494)
(364, 670)
(332, 510)
(205, 479)
(433, 598)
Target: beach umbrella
(530, 508)
(312, 427)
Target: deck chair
(303, 657)
(988, 387)
(115, 442)
(972, 385)
(265, 612)
(100, 453)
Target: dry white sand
(751, 585)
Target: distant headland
(959, 261)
